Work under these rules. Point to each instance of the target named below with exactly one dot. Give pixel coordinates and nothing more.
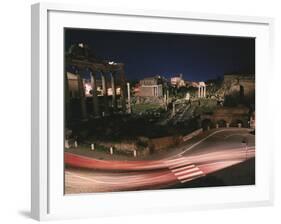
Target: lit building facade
(177, 81)
(151, 87)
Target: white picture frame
(48, 201)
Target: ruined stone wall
(238, 83)
(249, 86)
(146, 91)
(231, 115)
(127, 147)
(151, 91)
(165, 142)
(147, 100)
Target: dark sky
(197, 57)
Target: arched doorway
(237, 123)
(206, 124)
(221, 123)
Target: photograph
(157, 111)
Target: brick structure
(151, 87)
(225, 116)
(243, 83)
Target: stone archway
(236, 122)
(206, 124)
(221, 123)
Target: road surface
(220, 149)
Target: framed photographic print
(138, 111)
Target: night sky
(197, 57)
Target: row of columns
(104, 91)
(82, 97)
(95, 102)
(201, 91)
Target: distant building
(228, 117)
(136, 89)
(187, 83)
(151, 87)
(243, 83)
(177, 81)
(194, 84)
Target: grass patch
(139, 108)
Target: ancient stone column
(198, 91)
(204, 94)
(95, 95)
(123, 89)
(103, 82)
(165, 101)
(82, 97)
(113, 87)
(104, 91)
(129, 98)
(67, 99)
(174, 109)
(66, 144)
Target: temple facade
(151, 87)
(102, 87)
